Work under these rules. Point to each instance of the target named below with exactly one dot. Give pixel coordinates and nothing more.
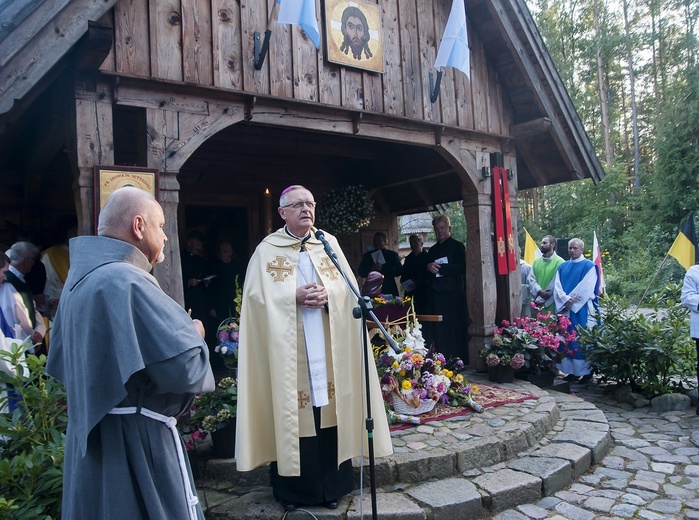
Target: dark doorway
(219, 223)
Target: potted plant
(527, 346)
(213, 413)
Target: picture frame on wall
(109, 178)
(353, 34)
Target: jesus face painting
(353, 34)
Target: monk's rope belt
(171, 423)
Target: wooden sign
(353, 34)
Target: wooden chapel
(173, 85)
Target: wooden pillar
(163, 127)
(94, 144)
(481, 293)
(515, 277)
(169, 272)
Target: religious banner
(498, 217)
(504, 236)
(509, 235)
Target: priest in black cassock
(384, 261)
(446, 268)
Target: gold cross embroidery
(331, 390)
(328, 269)
(501, 247)
(280, 269)
(511, 242)
(304, 399)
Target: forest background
(631, 70)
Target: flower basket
(401, 407)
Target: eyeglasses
(299, 205)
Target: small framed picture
(353, 34)
(110, 178)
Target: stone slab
(580, 457)
(596, 441)
(448, 499)
(389, 506)
(507, 488)
(556, 474)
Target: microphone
(328, 249)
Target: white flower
(414, 339)
(223, 350)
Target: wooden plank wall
(210, 42)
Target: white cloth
(54, 286)
(314, 335)
(585, 290)
(690, 298)
(16, 313)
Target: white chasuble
(274, 389)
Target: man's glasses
(299, 205)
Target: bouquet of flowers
(418, 376)
(228, 332)
(389, 299)
(228, 341)
(532, 343)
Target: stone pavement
(578, 457)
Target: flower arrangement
(532, 343)
(210, 412)
(345, 210)
(417, 375)
(389, 299)
(228, 333)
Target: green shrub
(31, 439)
(652, 351)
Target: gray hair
(577, 241)
(121, 207)
(441, 218)
(21, 250)
(285, 193)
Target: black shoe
(586, 378)
(288, 506)
(570, 378)
(331, 504)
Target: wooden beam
(533, 127)
(45, 36)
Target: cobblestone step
(466, 467)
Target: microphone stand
(363, 310)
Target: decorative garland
(345, 210)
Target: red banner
(509, 235)
(498, 214)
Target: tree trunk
(602, 89)
(632, 94)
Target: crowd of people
(299, 346)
